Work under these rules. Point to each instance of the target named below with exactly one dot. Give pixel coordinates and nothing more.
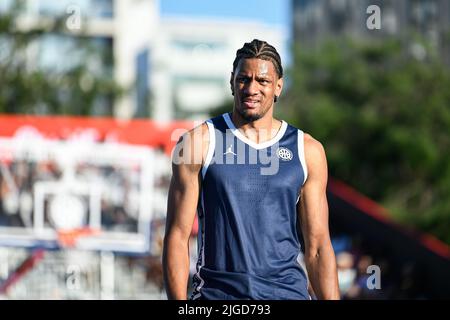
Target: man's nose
(251, 87)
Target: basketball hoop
(68, 238)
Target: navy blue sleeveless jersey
(249, 240)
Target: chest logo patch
(284, 154)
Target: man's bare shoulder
(198, 131)
(313, 146)
(314, 154)
(192, 147)
(196, 138)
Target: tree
(78, 89)
(384, 119)
(224, 107)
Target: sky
(277, 12)
(272, 12)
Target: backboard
(48, 186)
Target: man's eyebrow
(259, 75)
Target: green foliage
(25, 88)
(384, 120)
(226, 106)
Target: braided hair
(260, 50)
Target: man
(259, 186)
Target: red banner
(136, 131)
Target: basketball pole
(106, 275)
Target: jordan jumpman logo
(229, 151)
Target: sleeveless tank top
(249, 238)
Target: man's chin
(250, 115)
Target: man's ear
(231, 83)
(279, 87)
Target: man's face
(255, 84)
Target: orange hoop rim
(67, 238)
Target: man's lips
(250, 103)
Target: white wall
(135, 26)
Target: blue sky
(268, 11)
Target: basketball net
(68, 238)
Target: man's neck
(260, 130)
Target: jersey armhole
(211, 147)
(301, 154)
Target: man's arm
(320, 260)
(181, 208)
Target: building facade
(122, 29)
(172, 67)
(192, 62)
(317, 20)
